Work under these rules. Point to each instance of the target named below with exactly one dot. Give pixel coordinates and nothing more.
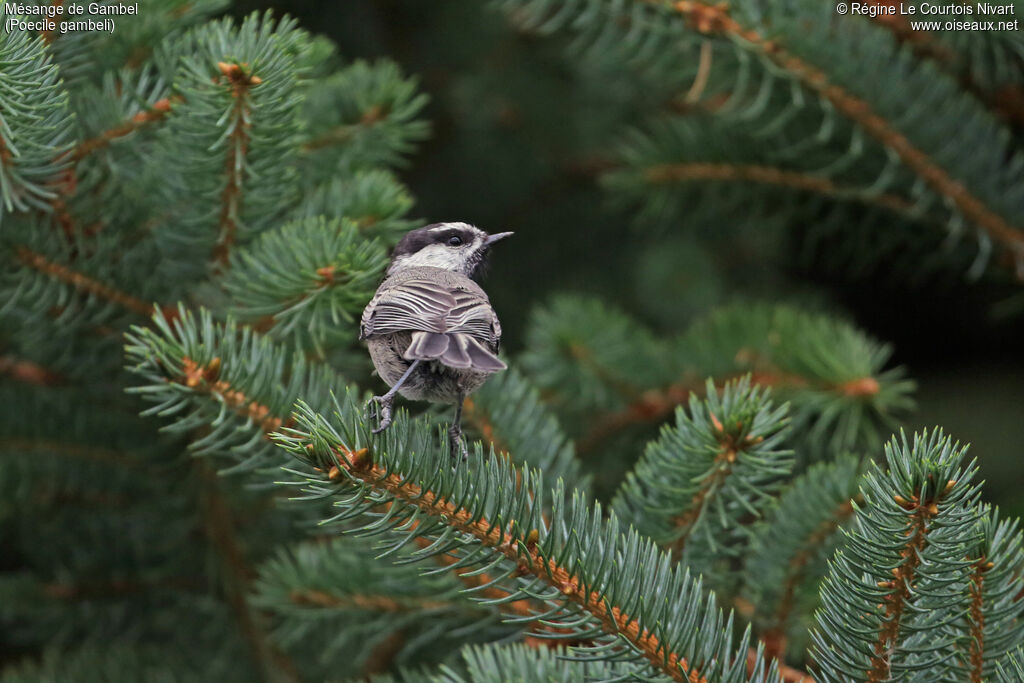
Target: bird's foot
(383, 411)
(456, 446)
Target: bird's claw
(383, 412)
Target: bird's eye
(454, 241)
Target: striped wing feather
(455, 326)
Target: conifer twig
(26, 371)
(715, 20)
(768, 175)
(219, 527)
(81, 282)
(774, 638)
(205, 378)
(613, 620)
(157, 111)
(976, 656)
(1007, 102)
(656, 404)
(902, 584)
(241, 81)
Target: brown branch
(902, 584)
(204, 378)
(715, 20)
(774, 637)
(722, 468)
(656, 404)
(345, 132)
(241, 81)
(83, 283)
(160, 109)
(977, 619)
(1007, 101)
(522, 551)
(311, 597)
(768, 175)
(28, 372)
(219, 527)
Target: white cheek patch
(434, 256)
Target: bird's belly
(430, 381)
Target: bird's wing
(426, 306)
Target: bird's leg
(455, 443)
(384, 402)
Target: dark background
(519, 139)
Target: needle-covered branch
(899, 584)
(35, 123)
(842, 393)
(715, 469)
(306, 282)
(488, 511)
(789, 549)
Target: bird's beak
(491, 239)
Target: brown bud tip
(715, 422)
(162, 105)
(532, 537)
(334, 473)
(949, 486)
(227, 69)
(309, 447)
(862, 386)
(255, 80)
(932, 508)
(326, 273)
(212, 369)
(902, 502)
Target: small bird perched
(430, 328)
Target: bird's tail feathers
(454, 350)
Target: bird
(430, 328)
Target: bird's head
(458, 247)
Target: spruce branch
(219, 527)
(22, 370)
(900, 580)
(790, 546)
(83, 283)
(719, 464)
(589, 357)
(510, 416)
(373, 199)
(995, 621)
(774, 177)
(1011, 669)
(714, 20)
(987, 68)
(239, 386)
(332, 595)
(35, 123)
(490, 514)
(158, 111)
(306, 282)
(232, 142)
(364, 115)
